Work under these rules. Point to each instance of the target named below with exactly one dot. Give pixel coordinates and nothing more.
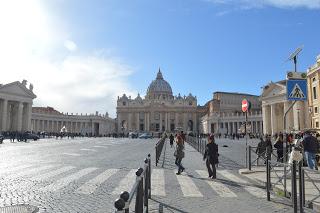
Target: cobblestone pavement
(87, 175)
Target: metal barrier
(141, 190)
(305, 175)
(159, 147)
(197, 143)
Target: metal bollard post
(125, 197)
(149, 174)
(303, 188)
(249, 155)
(119, 204)
(294, 186)
(156, 155)
(146, 185)
(268, 179)
(139, 196)
(300, 187)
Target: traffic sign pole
(245, 130)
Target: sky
(81, 55)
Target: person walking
(279, 146)
(311, 147)
(179, 154)
(261, 150)
(268, 146)
(211, 156)
(171, 138)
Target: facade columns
(129, 121)
(274, 123)
(138, 121)
(4, 115)
(19, 117)
(145, 121)
(176, 118)
(266, 119)
(160, 128)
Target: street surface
(88, 174)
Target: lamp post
(298, 110)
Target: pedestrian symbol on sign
(297, 92)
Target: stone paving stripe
(53, 173)
(91, 150)
(221, 189)
(90, 186)
(255, 191)
(14, 169)
(66, 180)
(126, 183)
(30, 171)
(71, 154)
(188, 188)
(157, 182)
(100, 146)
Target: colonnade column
(160, 122)
(176, 117)
(145, 121)
(138, 121)
(19, 117)
(129, 121)
(273, 119)
(166, 121)
(4, 115)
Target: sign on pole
(245, 105)
(297, 90)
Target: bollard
(300, 187)
(125, 197)
(249, 155)
(156, 155)
(294, 187)
(146, 185)
(139, 196)
(268, 179)
(119, 204)
(303, 188)
(149, 174)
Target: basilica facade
(159, 111)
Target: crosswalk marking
(14, 169)
(29, 171)
(91, 150)
(126, 183)
(71, 154)
(220, 188)
(157, 182)
(53, 173)
(66, 180)
(90, 186)
(188, 188)
(257, 192)
(100, 146)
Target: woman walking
(179, 154)
(211, 156)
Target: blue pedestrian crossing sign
(297, 90)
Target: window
(123, 103)
(314, 92)
(317, 124)
(190, 103)
(314, 79)
(315, 110)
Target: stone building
(275, 104)
(159, 111)
(313, 78)
(48, 119)
(17, 114)
(225, 115)
(16, 106)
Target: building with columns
(16, 106)
(275, 104)
(159, 111)
(17, 114)
(226, 117)
(48, 119)
(313, 78)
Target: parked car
(31, 136)
(1, 138)
(146, 136)
(133, 134)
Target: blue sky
(93, 51)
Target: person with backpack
(179, 154)
(171, 138)
(279, 146)
(211, 156)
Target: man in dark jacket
(311, 146)
(211, 156)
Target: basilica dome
(159, 88)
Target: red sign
(245, 105)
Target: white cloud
(70, 45)
(68, 80)
(248, 4)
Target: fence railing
(141, 190)
(197, 143)
(289, 172)
(159, 147)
